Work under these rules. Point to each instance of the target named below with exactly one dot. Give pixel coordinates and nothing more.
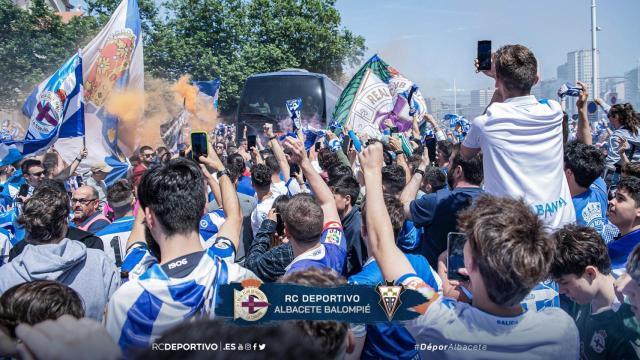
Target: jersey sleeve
(136, 262)
(423, 210)
(473, 139)
(333, 235)
(414, 282)
(224, 248)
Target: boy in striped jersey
(184, 283)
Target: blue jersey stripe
(137, 329)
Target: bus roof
(290, 72)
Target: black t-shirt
(88, 239)
(182, 266)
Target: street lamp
(594, 51)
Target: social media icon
(247, 346)
(262, 346)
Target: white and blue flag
(55, 110)
(209, 91)
(112, 62)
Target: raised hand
(371, 158)
(212, 160)
(296, 150)
(581, 101)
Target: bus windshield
(265, 97)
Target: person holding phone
(437, 212)
(521, 140)
(503, 267)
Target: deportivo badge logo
(333, 236)
(598, 341)
(250, 303)
(389, 298)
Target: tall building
(55, 5)
(632, 87)
(481, 98)
(547, 89)
(434, 106)
(577, 68)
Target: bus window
(265, 97)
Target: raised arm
(411, 190)
(584, 130)
(382, 243)
(274, 144)
(66, 173)
(230, 229)
(323, 194)
(401, 158)
(415, 128)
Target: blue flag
(56, 111)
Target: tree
(232, 39)
(226, 39)
(32, 45)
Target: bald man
(86, 216)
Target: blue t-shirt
(332, 252)
(620, 248)
(390, 340)
(437, 214)
(591, 206)
(245, 187)
(409, 236)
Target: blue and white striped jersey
(145, 307)
(209, 226)
(114, 238)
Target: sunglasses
(38, 174)
(82, 201)
(147, 155)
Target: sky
(433, 42)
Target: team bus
(264, 96)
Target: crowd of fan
(552, 225)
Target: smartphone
(430, 144)
(199, 144)
(317, 145)
(294, 169)
(346, 144)
(251, 141)
(484, 55)
(455, 258)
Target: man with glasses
(85, 205)
(146, 158)
(33, 172)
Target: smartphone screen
(455, 258)
(294, 169)
(484, 55)
(198, 145)
(346, 144)
(251, 141)
(430, 144)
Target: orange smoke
(203, 115)
(141, 113)
(187, 93)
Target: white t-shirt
(461, 331)
(521, 142)
(261, 212)
(279, 188)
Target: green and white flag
(376, 92)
